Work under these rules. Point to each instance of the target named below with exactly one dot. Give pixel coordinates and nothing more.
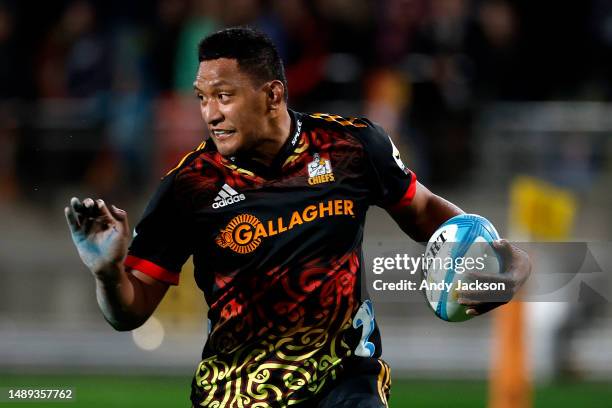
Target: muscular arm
(427, 212)
(131, 299)
(101, 234)
(424, 215)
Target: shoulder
(188, 175)
(204, 155)
(361, 128)
(185, 160)
(373, 139)
(337, 122)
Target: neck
(276, 136)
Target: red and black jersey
(277, 253)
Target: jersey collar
(275, 168)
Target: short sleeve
(393, 183)
(162, 239)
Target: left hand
(517, 268)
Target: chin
(226, 149)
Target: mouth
(222, 134)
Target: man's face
(232, 106)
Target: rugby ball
(459, 246)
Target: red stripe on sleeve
(151, 269)
(408, 195)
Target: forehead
(219, 72)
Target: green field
(93, 391)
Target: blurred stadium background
(96, 100)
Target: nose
(211, 113)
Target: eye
(224, 96)
(200, 96)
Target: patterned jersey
(277, 253)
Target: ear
(275, 94)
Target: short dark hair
(253, 50)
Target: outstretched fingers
(103, 211)
(119, 214)
(106, 215)
(84, 215)
(75, 214)
(71, 219)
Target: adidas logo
(227, 196)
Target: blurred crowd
(99, 93)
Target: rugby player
(272, 207)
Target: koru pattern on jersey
(277, 253)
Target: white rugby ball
(460, 245)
